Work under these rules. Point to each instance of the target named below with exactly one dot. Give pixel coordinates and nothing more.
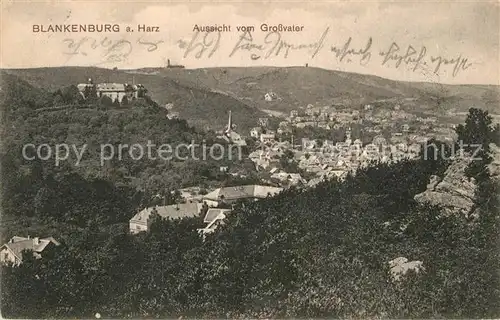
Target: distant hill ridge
(299, 86)
(204, 96)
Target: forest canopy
(318, 252)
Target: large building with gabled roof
(232, 194)
(142, 220)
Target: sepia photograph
(249, 160)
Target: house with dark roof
(142, 220)
(11, 252)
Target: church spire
(229, 123)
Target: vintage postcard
(248, 160)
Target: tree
(125, 101)
(204, 210)
(58, 100)
(435, 155)
(87, 91)
(93, 93)
(71, 95)
(44, 201)
(141, 92)
(106, 101)
(90, 93)
(288, 163)
(478, 130)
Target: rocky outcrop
(454, 192)
(400, 267)
(494, 166)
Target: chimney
(36, 241)
(168, 62)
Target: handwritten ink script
(274, 45)
(417, 58)
(346, 52)
(111, 51)
(259, 46)
(201, 43)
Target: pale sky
(467, 32)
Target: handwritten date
(201, 43)
(111, 50)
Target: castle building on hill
(115, 91)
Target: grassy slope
(204, 95)
(299, 86)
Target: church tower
(348, 140)
(229, 123)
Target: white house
(255, 132)
(267, 137)
(270, 96)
